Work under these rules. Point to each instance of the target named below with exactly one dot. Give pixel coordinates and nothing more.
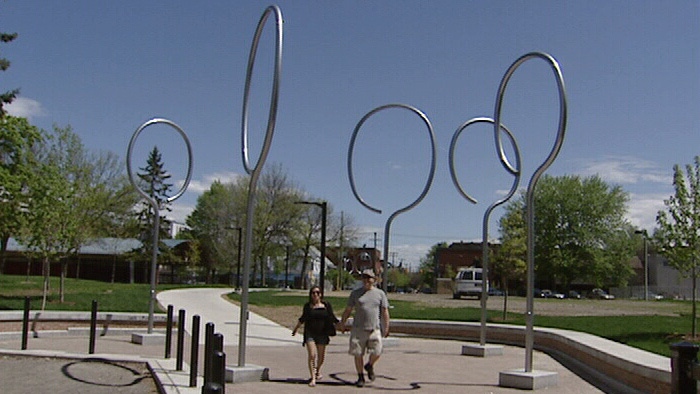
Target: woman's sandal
(319, 376)
(312, 383)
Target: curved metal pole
(255, 172)
(487, 214)
(154, 203)
(530, 197)
(387, 227)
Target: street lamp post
(646, 264)
(324, 207)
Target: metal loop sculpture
(154, 203)
(387, 227)
(487, 214)
(257, 169)
(530, 198)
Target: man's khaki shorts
(362, 341)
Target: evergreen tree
(154, 181)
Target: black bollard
(219, 370)
(208, 351)
(25, 323)
(93, 327)
(218, 365)
(683, 358)
(180, 339)
(169, 332)
(217, 384)
(194, 351)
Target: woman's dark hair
(311, 290)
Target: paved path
(212, 306)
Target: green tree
(48, 226)
(18, 140)
(213, 222)
(277, 220)
(510, 262)
(9, 96)
(100, 198)
(427, 265)
(580, 231)
(677, 237)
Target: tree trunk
(46, 268)
(505, 299)
(3, 249)
(62, 282)
(29, 267)
(114, 267)
(695, 313)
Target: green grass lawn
(113, 297)
(651, 333)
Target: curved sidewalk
(428, 365)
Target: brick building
(460, 254)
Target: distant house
(100, 259)
(460, 254)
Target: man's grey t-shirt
(367, 304)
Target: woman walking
(319, 325)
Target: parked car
(468, 282)
(573, 294)
(600, 294)
(654, 296)
(550, 294)
(496, 292)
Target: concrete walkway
(428, 365)
(212, 306)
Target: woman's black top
(317, 321)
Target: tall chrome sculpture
(154, 203)
(530, 196)
(387, 227)
(255, 171)
(487, 214)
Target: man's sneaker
(360, 382)
(370, 371)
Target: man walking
(370, 303)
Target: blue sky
(631, 69)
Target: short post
(25, 323)
(218, 362)
(208, 351)
(194, 351)
(169, 332)
(180, 339)
(683, 357)
(93, 327)
(217, 375)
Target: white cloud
(642, 209)
(625, 170)
(25, 108)
(199, 186)
(180, 211)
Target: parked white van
(468, 283)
